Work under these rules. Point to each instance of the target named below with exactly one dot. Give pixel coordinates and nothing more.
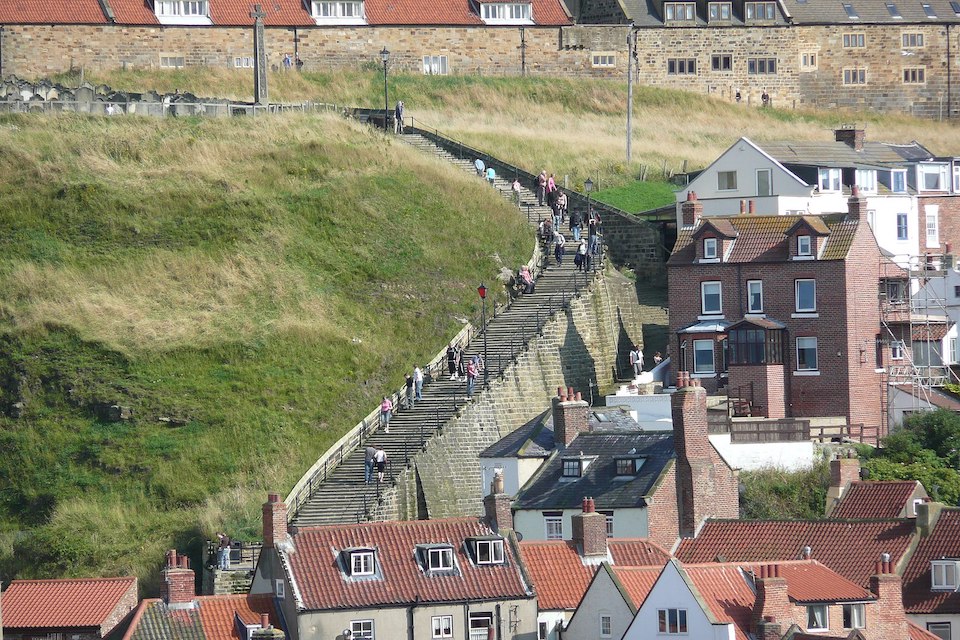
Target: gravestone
(259, 57)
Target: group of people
(413, 393)
(488, 173)
(289, 61)
(587, 247)
(375, 458)
(462, 368)
(636, 359)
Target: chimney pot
(752, 207)
(265, 620)
(273, 497)
(743, 207)
(274, 521)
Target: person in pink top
(386, 410)
(471, 377)
(551, 184)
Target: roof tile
(280, 13)
(51, 12)
(638, 581)
(62, 603)
(875, 499)
(560, 577)
(213, 618)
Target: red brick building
(781, 311)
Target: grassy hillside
(569, 127)
(248, 287)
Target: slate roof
(848, 547)
(51, 12)
(47, 604)
(942, 542)
(546, 490)
(212, 618)
(875, 499)
(762, 238)
(560, 577)
(829, 153)
(535, 438)
(869, 12)
(323, 586)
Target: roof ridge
(53, 580)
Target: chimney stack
(274, 521)
(891, 620)
(569, 417)
(753, 207)
(843, 471)
(851, 136)
(856, 204)
(691, 211)
(496, 506)
(772, 603)
(590, 530)
(266, 631)
(743, 207)
(178, 584)
(927, 515)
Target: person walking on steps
(516, 191)
(461, 365)
(558, 247)
(380, 460)
(541, 187)
(480, 167)
(636, 360)
(398, 117)
(408, 382)
(369, 454)
(471, 378)
(417, 384)
(452, 361)
(386, 411)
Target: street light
(588, 187)
(482, 290)
(385, 56)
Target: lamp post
(482, 290)
(588, 187)
(385, 57)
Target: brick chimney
(696, 476)
(178, 584)
(772, 606)
(691, 211)
(590, 530)
(569, 417)
(751, 207)
(274, 521)
(856, 204)
(496, 505)
(851, 136)
(843, 471)
(890, 620)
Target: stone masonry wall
(577, 346)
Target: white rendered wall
(602, 598)
(789, 456)
(627, 523)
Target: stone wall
(576, 348)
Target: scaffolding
(914, 321)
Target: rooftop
(47, 604)
(212, 618)
(942, 542)
(875, 499)
(560, 577)
(829, 153)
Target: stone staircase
(344, 497)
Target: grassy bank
(248, 287)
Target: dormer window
(804, 246)
(679, 11)
(489, 551)
(440, 558)
(337, 12)
(628, 466)
(943, 575)
(506, 13)
(829, 179)
(572, 468)
(709, 248)
(362, 562)
(186, 12)
(760, 10)
(867, 180)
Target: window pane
(711, 303)
(806, 295)
(806, 354)
(703, 356)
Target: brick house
(180, 614)
(79, 609)
(655, 485)
(453, 577)
(848, 497)
(782, 310)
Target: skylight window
(928, 9)
(894, 12)
(851, 12)
(956, 8)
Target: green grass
(249, 287)
(638, 196)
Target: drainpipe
(1, 51)
(949, 73)
(410, 626)
(523, 52)
(499, 630)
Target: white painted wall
(652, 412)
(671, 592)
(789, 456)
(555, 620)
(627, 523)
(602, 598)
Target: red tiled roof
(933, 331)
(559, 576)
(280, 13)
(322, 585)
(849, 547)
(638, 581)
(918, 633)
(810, 581)
(875, 499)
(726, 591)
(217, 613)
(213, 618)
(456, 12)
(51, 12)
(49, 604)
(942, 542)
(133, 12)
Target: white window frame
(435, 65)
(903, 226)
(807, 346)
(710, 249)
(796, 295)
(712, 369)
(769, 174)
(663, 622)
(279, 589)
(243, 62)
(940, 626)
(829, 179)
(898, 181)
(826, 617)
(362, 629)
(897, 349)
(857, 614)
(956, 178)
(506, 13)
(168, 61)
(867, 180)
(494, 551)
(751, 285)
(943, 575)
(440, 558)
(362, 563)
(804, 246)
(603, 59)
(854, 40)
(182, 12)
(703, 298)
(442, 626)
(726, 185)
(553, 527)
(606, 624)
(931, 215)
(940, 170)
(679, 11)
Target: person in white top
(418, 384)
